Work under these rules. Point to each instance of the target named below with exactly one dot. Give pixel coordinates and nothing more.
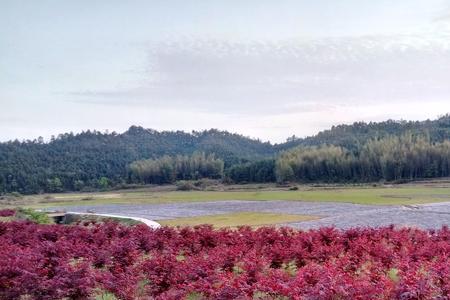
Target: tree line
(405, 157)
(169, 169)
(393, 158)
(99, 160)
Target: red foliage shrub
(7, 212)
(76, 262)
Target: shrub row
(109, 260)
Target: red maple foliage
(7, 212)
(79, 262)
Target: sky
(265, 69)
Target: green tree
(103, 183)
(78, 185)
(54, 185)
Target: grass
(29, 214)
(253, 219)
(32, 215)
(417, 193)
(377, 196)
(406, 194)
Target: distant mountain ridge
(30, 166)
(360, 132)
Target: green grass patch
(393, 274)
(376, 196)
(34, 216)
(253, 219)
(417, 193)
(28, 214)
(105, 296)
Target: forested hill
(33, 166)
(94, 159)
(351, 136)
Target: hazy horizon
(263, 69)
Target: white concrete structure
(149, 223)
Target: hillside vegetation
(388, 150)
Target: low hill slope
(73, 161)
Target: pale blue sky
(267, 69)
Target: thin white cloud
(258, 77)
(443, 15)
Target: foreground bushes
(91, 260)
(7, 212)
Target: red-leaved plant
(85, 261)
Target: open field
(417, 193)
(340, 215)
(341, 206)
